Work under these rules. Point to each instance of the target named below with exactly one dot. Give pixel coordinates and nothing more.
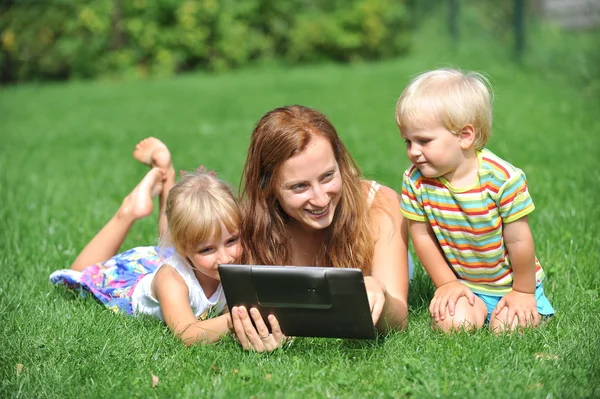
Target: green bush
(60, 39)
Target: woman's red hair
(279, 135)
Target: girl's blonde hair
(451, 97)
(279, 135)
(196, 206)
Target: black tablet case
(307, 301)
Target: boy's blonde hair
(451, 97)
(196, 206)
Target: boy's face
(434, 150)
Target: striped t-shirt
(467, 222)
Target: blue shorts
(544, 307)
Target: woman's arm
(171, 291)
(390, 259)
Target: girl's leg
(465, 316)
(154, 153)
(136, 205)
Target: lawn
(65, 165)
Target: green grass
(65, 164)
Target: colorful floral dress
(113, 282)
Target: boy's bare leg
(136, 205)
(500, 322)
(154, 153)
(465, 316)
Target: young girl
(179, 285)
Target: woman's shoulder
(379, 194)
(384, 213)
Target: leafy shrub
(58, 39)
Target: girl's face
(311, 185)
(208, 255)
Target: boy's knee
(452, 324)
(466, 317)
(500, 324)
(458, 322)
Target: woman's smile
(311, 185)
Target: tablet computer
(307, 301)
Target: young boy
(467, 208)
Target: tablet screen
(307, 301)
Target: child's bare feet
(138, 203)
(154, 153)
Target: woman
(305, 204)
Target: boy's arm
(519, 244)
(173, 295)
(430, 254)
(520, 302)
(448, 288)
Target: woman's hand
(257, 339)
(376, 295)
(446, 296)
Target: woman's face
(311, 185)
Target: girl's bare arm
(171, 291)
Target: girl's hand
(257, 339)
(446, 296)
(376, 294)
(521, 305)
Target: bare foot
(153, 152)
(138, 203)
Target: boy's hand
(446, 296)
(519, 304)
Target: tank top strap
(372, 192)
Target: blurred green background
(113, 39)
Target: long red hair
(279, 135)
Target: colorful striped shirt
(467, 222)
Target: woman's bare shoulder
(388, 195)
(384, 196)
